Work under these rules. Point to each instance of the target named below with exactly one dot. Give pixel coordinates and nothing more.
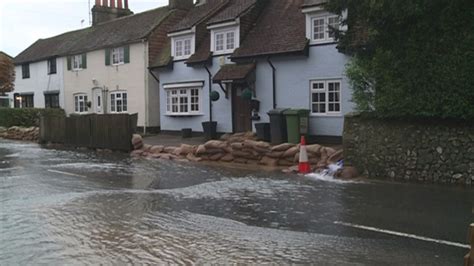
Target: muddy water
(78, 207)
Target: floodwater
(80, 207)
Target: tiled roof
(234, 72)
(232, 11)
(116, 32)
(164, 58)
(198, 13)
(308, 3)
(279, 30)
(5, 54)
(203, 53)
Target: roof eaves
(303, 51)
(202, 62)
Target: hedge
(25, 117)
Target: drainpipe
(145, 61)
(154, 76)
(273, 81)
(210, 89)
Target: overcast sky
(22, 22)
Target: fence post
(469, 258)
(42, 130)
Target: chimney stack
(180, 4)
(105, 10)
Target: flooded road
(80, 207)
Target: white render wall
(221, 109)
(132, 77)
(293, 76)
(40, 82)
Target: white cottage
(102, 68)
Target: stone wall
(434, 151)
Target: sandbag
(282, 147)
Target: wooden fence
(469, 258)
(105, 131)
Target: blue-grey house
(279, 53)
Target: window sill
(181, 58)
(77, 69)
(125, 112)
(52, 73)
(337, 115)
(222, 53)
(118, 64)
(183, 115)
(325, 42)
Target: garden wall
(435, 150)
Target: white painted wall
(132, 77)
(40, 81)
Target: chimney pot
(112, 3)
(126, 4)
(119, 4)
(97, 2)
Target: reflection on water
(115, 209)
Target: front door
(98, 101)
(241, 111)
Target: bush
(416, 55)
(25, 117)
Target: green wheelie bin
(297, 121)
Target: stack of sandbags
(137, 141)
(240, 148)
(21, 133)
(214, 150)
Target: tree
(7, 74)
(416, 55)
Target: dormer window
(182, 47)
(319, 27)
(225, 41)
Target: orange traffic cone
(303, 166)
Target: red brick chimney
(180, 4)
(105, 10)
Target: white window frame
(325, 16)
(235, 30)
(78, 98)
(77, 62)
(326, 92)
(119, 54)
(179, 45)
(184, 100)
(117, 97)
